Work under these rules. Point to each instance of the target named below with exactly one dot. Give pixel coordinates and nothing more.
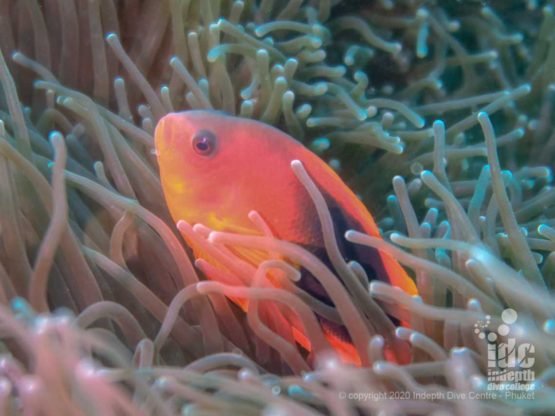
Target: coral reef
(438, 111)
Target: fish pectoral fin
(252, 256)
(219, 223)
(256, 257)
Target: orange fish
(216, 168)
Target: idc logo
(510, 363)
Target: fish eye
(204, 142)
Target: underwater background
(437, 114)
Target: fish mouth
(159, 134)
(169, 133)
(163, 137)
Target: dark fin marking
(368, 257)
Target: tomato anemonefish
(216, 168)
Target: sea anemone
(438, 114)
